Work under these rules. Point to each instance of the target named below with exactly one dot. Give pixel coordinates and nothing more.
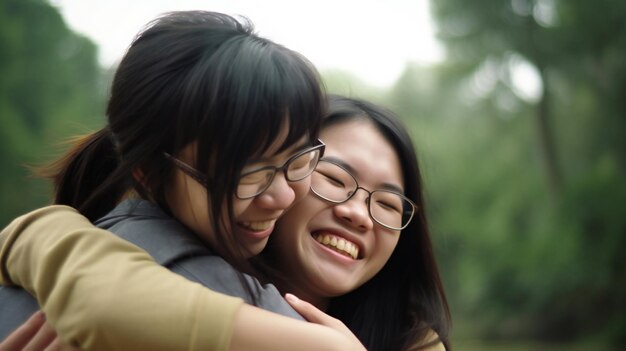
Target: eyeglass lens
(296, 168)
(335, 184)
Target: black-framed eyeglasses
(255, 182)
(332, 182)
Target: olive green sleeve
(103, 293)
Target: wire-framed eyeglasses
(255, 182)
(332, 182)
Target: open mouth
(338, 244)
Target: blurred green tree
(531, 255)
(49, 90)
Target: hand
(315, 315)
(35, 334)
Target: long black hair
(398, 307)
(191, 76)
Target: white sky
(372, 39)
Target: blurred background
(519, 117)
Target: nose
(279, 195)
(355, 212)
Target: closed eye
(333, 180)
(389, 206)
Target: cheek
(300, 215)
(293, 226)
(239, 207)
(385, 245)
(389, 243)
(301, 188)
(188, 202)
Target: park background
(526, 187)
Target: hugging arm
(102, 293)
(79, 275)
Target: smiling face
(253, 219)
(325, 249)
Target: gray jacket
(172, 245)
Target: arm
(83, 279)
(255, 329)
(103, 293)
(260, 330)
(430, 342)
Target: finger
(308, 311)
(22, 335)
(45, 335)
(315, 315)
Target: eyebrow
(355, 173)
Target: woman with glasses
(358, 246)
(211, 135)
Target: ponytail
(87, 177)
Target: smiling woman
(192, 85)
(358, 245)
(373, 270)
(326, 235)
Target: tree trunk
(547, 145)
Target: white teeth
(338, 244)
(341, 245)
(257, 226)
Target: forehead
(360, 144)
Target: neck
(316, 300)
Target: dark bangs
(264, 87)
(243, 94)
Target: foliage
(529, 192)
(49, 87)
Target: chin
(256, 248)
(331, 289)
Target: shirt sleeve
(102, 293)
